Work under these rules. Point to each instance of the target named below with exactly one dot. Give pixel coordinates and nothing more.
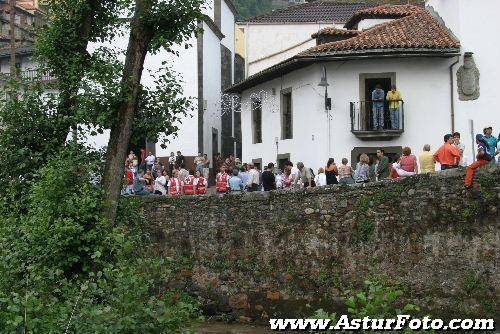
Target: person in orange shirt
(447, 155)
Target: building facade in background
(268, 39)
(285, 115)
(205, 70)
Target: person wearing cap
(490, 140)
(447, 155)
(483, 158)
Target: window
(286, 114)
(257, 120)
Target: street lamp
(328, 104)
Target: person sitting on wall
(483, 158)
(140, 185)
(394, 98)
(378, 98)
(200, 183)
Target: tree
(155, 25)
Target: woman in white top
(160, 183)
(320, 179)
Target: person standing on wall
(268, 178)
(383, 169)
(378, 99)
(394, 97)
(490, 140)
(447, 155)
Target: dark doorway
(370, 84)
(215, 150)
(136, 146)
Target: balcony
(363, 119)
(30, 75)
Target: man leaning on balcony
(394, 98)
(378, 97)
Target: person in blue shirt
(235, 182)
(492, 141)
(378, 98)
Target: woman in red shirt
(409, 161)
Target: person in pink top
(407, 164)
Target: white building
(268, 39)
(206, 68)
(283, 108)
(477, 34)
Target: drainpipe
(452, 89)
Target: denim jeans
(378, 117)
(394, 118)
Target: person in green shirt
(383, 171)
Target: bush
(65, 269)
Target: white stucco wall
(211, 90)
(370, 23)
(267, 44)
(186, 66)
(424, 84)
(470, 22)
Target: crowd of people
(153, 177)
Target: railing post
(352, 116)
(403, 116)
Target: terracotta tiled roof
(335, 31)
(416, 31)
(316, 11)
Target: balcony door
(368, 82)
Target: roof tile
(416, 29)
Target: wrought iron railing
(37, 75)
(377, 116)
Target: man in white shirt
(150, 161)
(253, 178)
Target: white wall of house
(424, 84)
(185, 64)
(270, 44)
(469, 21)
(370, 23)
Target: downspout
(452, 95)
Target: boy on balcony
(378, 98)
(394, 98)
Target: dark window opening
(286, 115)
(257, 121)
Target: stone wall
(288, 253)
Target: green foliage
(248, 8)
(63, 268)
(378, 301)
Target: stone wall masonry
(287, 253)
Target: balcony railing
(30, 75)
(377, 120)
(37, 75)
